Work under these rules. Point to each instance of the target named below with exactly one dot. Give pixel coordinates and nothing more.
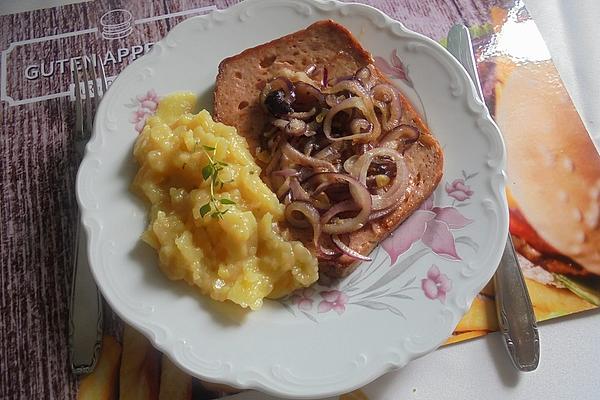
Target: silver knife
(513, 306)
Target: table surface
(480, 369)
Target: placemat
(38, 171)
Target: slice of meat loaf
(236, 103)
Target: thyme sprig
(211, 172)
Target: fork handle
(85, 311)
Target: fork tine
(78, 105)
(88, 101)
(94, 83)
(102, 75)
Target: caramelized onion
(308, 94)
(306, 209)
(280, 123)
(274, 161)
(311, 218)
(407, 134)
(398, 185)
(296, 127)
(328, 153)
(309, 146)
(384, 93)
(298, 192)
(365, 108)
(344, 206)
(278, 95)
(347, 250)
(332, 100)
(321, 201)
(286, 172)
(361, 197)
(382, 213)
(352, 86)
(360, 125)
(296, 157)
(365, 76)
(316, 132)
(304, 115)
(350, 165)
(284, 188)
(326, 252)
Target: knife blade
(513, 305)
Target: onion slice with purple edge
(360, 125)
(311, 216)
(296, 127)
(347, 250)
(295, 156)
(381, 213)
(317, 195)
(286, 172)
(328, 152)
(408, 134)
(273, 161)
(365, 105)
(298, 192)
(361, 197)
(325, 80)
(343, 206)
(303, 115)
(399, 183)
(326, 252)
(386, 94)
(350, 85)
(284, 188)
(304, 91)
(365, 76)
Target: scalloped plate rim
(168, 346)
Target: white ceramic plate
(324, 340)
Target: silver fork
(85, 308)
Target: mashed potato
(212, 219)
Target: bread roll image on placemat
(479, 320)
(174, 383)
(101, 384)
(553, 189)
(139, 376)
(552, 169)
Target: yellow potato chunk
(213, 221)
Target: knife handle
(85, 312)
(520, 330)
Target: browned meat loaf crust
(236, 103)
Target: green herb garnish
(211, 172)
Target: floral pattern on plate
(432, 225)
(144, 105)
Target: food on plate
(213, 221)
(556, 222)
(341, 147)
